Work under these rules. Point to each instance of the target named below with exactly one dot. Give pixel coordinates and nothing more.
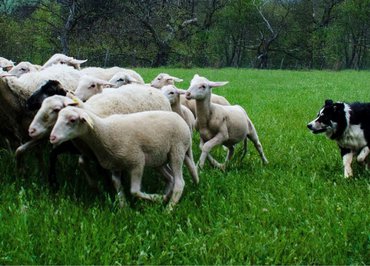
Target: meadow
(298, 209)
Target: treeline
(294, 34)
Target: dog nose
(309, 126)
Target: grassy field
(296, 210)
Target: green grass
(296, 210)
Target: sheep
(130, 142)
(101, 73)
(173, 95)
(5, 63)
(129, 100)
(23, 68)
(63, 59)
(50, 88)
(89, 86)
(31, 81)
(14, 120)
(125, 77)
(217, 124)
(165, 79)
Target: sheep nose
(31, 131)
(52, 138)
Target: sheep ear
(72, 100)
(132, 80)
(104, 83)
(196, 76)
(174, 79)
(217, 84)
(180, 91)
(86, 118)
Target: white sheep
(165, 79)
(130, 142)
(89, 86)
(173, 95)
(126, 76)
(63, 59)
(133, 98)
(5, 63)
(101, 73)
(27, 83)
(220, 125)
(23, 68)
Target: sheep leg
(189, 162)
(20, 152)
(83, 163)
(207, 147)
(176, 166)
(136, 175)
(254, 138)
(116, 179)
(25, 147)
(210, 158)
(167, 173)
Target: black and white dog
(349, 126)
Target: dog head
(331, 119)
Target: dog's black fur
(348, 125)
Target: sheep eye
(202, 87)
(172, 93)
(72, 120)
(92, 86)
(23, 69)
(119, 80)
(159, 78)
(56, 110)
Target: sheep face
(22, 68)
(71, 123)
(171, 93)
(164, 79)
(89, 86)
(47, 115)
(122, 78)
(63, 59)
(201, 88)
(50, 88)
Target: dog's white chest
(353, 138)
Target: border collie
(349, 126)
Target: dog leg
(363, 154)
(347, 161)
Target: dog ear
(328, 103)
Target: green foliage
(298, 209)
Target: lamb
(14, 92)
(165, 79)
(89, 86)
(23, 68)
(173, 95)
(63, 59)
(217, 124)
(50, 88)
(132, 99)
(125, 77)
(110, 102)
(130, 142)
(101, 73)
(5, 63)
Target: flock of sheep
(111, 116)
